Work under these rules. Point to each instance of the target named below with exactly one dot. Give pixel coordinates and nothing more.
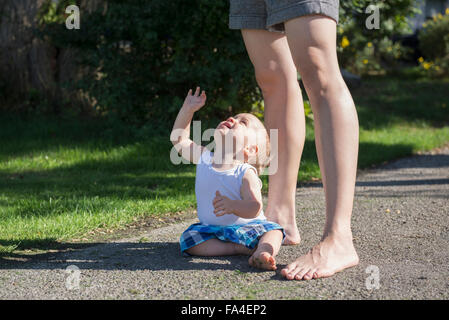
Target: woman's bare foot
(292, 237)
(263, 260)
(331, 255)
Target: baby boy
(228, 188)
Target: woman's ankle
(281, 212)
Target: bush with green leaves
(434, 44)
(362, 50)
(140, 57)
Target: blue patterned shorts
(244, 234)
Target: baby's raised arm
(180, 135)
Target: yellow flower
(365, 61)
(421, 59)
(369, 44)
(427, 65)
(440, 16)
(447, 11)
(344, 42)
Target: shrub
(139, 57)
(434, 44)
(362, 50)
(143, 56)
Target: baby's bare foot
(263, 260)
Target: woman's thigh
(270, 55)
(312, 41)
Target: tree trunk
(29, 64)
(25, 61)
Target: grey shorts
(271, 14)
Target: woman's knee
(273, 78)
(319, 71)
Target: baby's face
(243, 128)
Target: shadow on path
(413, 163)
(152, 256)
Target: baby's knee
(193, 251)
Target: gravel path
(401, 232)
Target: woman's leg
(277, 77)
(312, 40)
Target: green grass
(60, 180)
(400, 117)
(397, 117)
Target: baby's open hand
(195, 101)
(222, 205)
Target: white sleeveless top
(228, 182)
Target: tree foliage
(140, 57)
